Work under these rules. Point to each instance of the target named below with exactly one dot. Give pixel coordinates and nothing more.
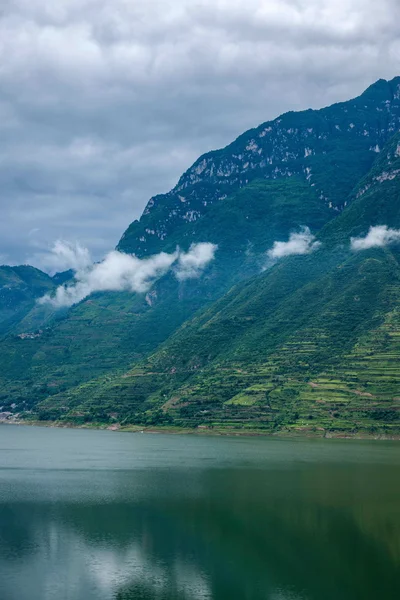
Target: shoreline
(209, 431)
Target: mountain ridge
(232, 348)
(272, 150)
(255, 360)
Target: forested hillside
(304, 342)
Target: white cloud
(63, 256)
(377, 237)
(298, 243)
(191, 264)
(122, 272)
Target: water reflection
(306, 531)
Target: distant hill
(19, 289)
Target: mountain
(312, 344)
(20, 287)
(330, 149)
(307, 343)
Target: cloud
(190, 265)
(63, 256)
(105, 104)
(299, 243)
(122, 272)
(377, 237)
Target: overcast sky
(105, 103)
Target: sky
(104, 104)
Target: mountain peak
(383, 89)
(318, 146)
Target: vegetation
(309, 344)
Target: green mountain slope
(110, 331)
(201, 352)
(19, 289)
(310, 345)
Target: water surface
(97, 515)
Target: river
(99, 515)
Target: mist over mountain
(260, 293)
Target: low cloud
(119, 272)
(377, 237)
(298, 243)
(63, 256)
(191, 264)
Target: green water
(95, 515)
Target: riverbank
(210, 431)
